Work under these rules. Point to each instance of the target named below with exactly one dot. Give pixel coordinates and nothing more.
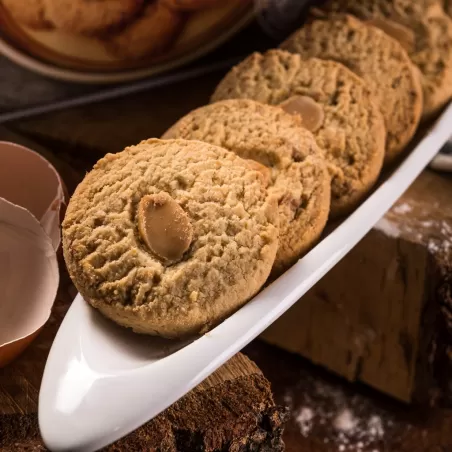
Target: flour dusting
(388, 227)
(400, 209)
(346, 422)
(304, 420)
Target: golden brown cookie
(376, 57)
(30, 13)
(297, 173)
(352, 133)
(88, 16)
(170, 237)
(150, 34)
(431, 51)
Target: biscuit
(376, 57)
(352, 133)
(431, 51)
(150, 34)
(170, 237)
(30, 13)
(298, 175)
(90, 17)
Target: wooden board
(230, 410)
(382, 315)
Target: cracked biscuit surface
(224, 219)
(352, 134)
(298, 175)
(380, 60)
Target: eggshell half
(31, 199)
(28, 279)
(27, 179)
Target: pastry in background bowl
(88, 17)
(119, 35)
(150, 34)
(29, 13)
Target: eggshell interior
(31, 196)
(27, 179)
(28, 275)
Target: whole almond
(164, 226)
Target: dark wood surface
(329, 414)
(382, 315)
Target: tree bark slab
(233, 410)
(383, 315)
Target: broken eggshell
(31, 197)
(28, 180)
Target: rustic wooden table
(327, 414)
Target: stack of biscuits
(172, 235)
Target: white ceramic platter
(101, 381)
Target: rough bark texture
(236, 416)
(233, 410)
